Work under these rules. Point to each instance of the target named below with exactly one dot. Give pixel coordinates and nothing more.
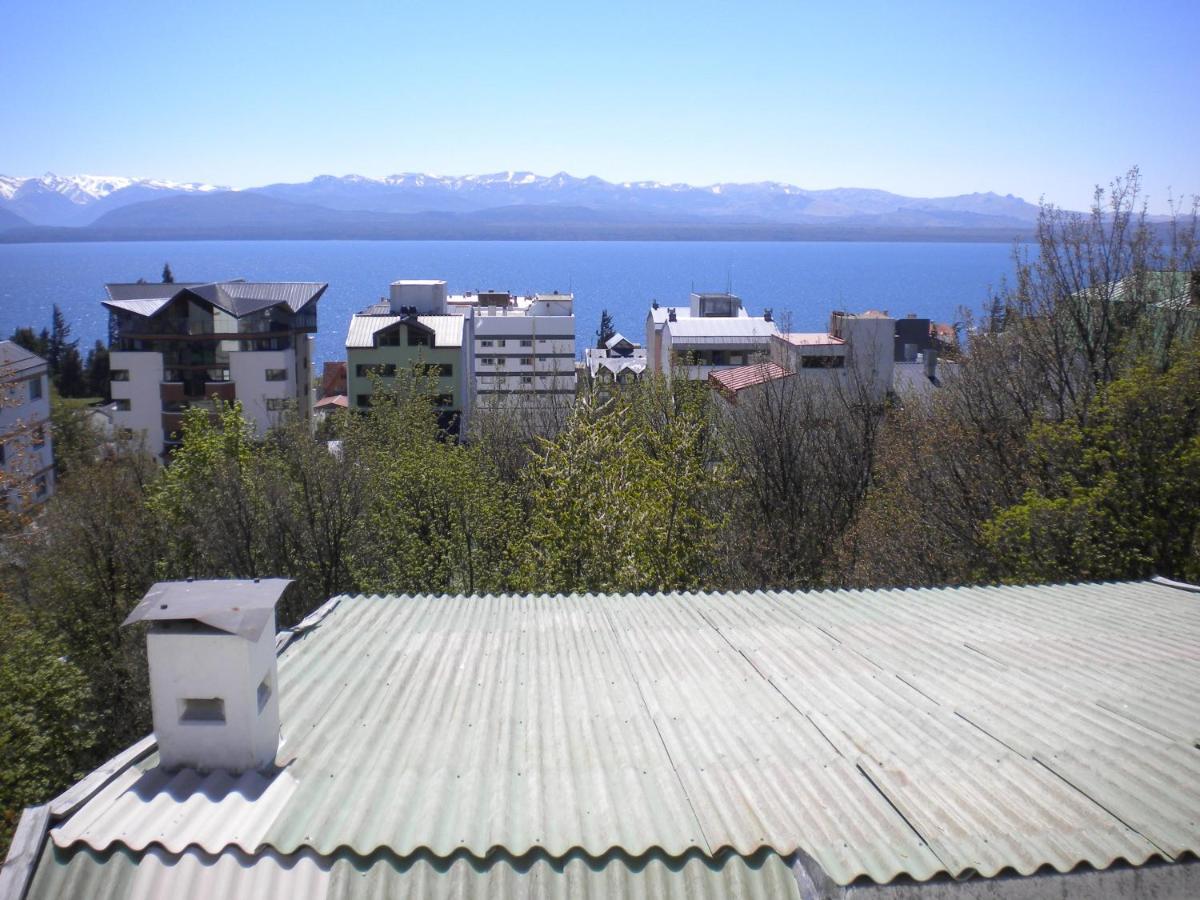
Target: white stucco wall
(143, 390)
(248, 370)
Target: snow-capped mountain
(79, 199)
(516, 197)
(756, 202)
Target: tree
(606, 329)
(58, 343)
(97, 372)
(71, 380)
(46, 723)
(627, 496)
(33, 342)
(1114, 493)
(168, 277)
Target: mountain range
(502, 205)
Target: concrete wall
(143, 390)
(262, 400)
(532, 359)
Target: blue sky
(1040, 98)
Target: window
(527, 360)
(39, 437)
(441, 370)
(121, 375)
(444, 400)
(417, 338)
(122, 405)
(500, 343)
(35, 388)
(389, 338)
(487, 360)
(274, 404)
(822, 362)
(387, 370)
(362, 401)
(487, 343)
(501, 362)
(202, 711)
(526, 379)
(276, 374)
(526, 343)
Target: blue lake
(802, 282)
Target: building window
(501, 362)
(417, 338)
(440, 370)
(822, 362)
(526, 379)
(444, 400)
(122, 405)
(35, 388)
(389, 338)
(525, 342)
(487, 361)
(120, 375)
(387, 370)
(39, 437)
(500, 343)
(275, 404)
(362, 401)
(487, 343)
(527, 360)
(276, 374)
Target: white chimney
(214, 689)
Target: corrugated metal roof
(238, 298)
(882, 733)
(308, 876)
(447, 330)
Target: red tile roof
(738, 378)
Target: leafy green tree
(168, 277)
(626, 498)
(71, 381)
(1116, 493)
(437, 517)
(46, 723)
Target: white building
(713, 332)
(855, 356)
(178, 345)
(26, 446)
(523, 348)
(620, 361)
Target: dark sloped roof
(870, 734)
(238, 298)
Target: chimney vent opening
(202, 711)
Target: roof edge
(1180, 585)
(24, 853)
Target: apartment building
(523, 348)
(26, 445)
(713, 332)
(411, 329)
(619, 362)
(855, 355)
(174, 346)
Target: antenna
(729, 281)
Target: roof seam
(646, 707)
(1037, 759)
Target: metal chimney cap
(240, 607)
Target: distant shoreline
(568, 233)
